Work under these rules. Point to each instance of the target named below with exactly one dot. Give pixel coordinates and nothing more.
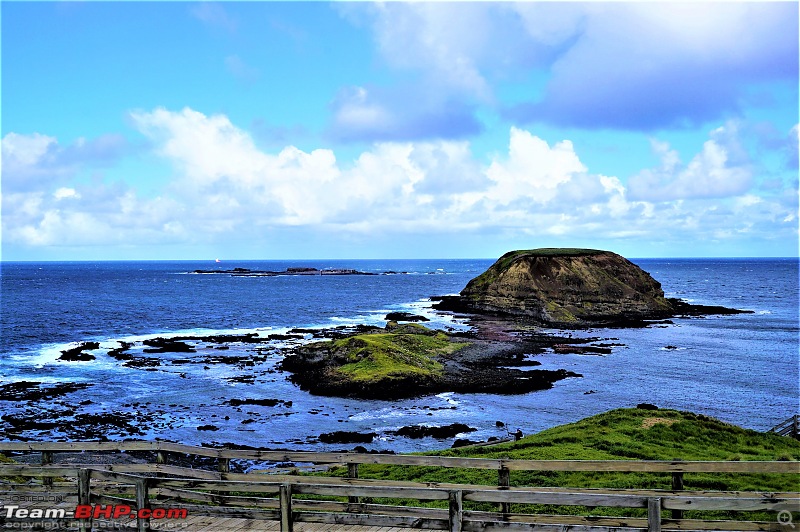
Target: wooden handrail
(456, 518)
(630, 466)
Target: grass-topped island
(408, 360)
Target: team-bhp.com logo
(94, 511)
(118, 511)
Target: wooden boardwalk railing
(280, 497)
(789, 427)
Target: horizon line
(2, 261)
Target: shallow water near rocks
(742, 369)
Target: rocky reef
(411, 360)
(566, 287)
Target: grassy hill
(626, 434)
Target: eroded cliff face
(568, 287)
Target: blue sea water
(741, 368)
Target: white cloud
(225, 188)
(712, 173)
(432, 37)
(638, 66)
(33, 161)
(25, 150)
(356, 112)
(66, 193)
(533, 169)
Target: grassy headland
(624, 434)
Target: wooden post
(47, 459)
(654, 514)
(456, 513)
(352, 472)
(142, 525)
(677, 485)
(504, 481)
(287, 523)
(84, 497)
(161, 459)
(224, 467)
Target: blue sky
(266, 130)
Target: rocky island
(409, 360)
(569, 288)
(247, 272)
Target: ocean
(742, 369)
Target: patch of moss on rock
(401, 360)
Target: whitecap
(448, 396)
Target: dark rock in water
(570, 288)
(90, 426)
(463, 443)
(646, 406)
(671, 347)
(246, 272)
(142, 362)
(37, 391)
(285, 337)
(580, 350)
(121, 353)
(404, 316)
(259, 402)
(208, 427)
(499, 424)
(341, 436)
(76, 354)
(440, 433)
(167, 345)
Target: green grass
(409, 350)
(502, 264)
(624, 434)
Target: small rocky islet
(508, 307)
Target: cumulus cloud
(32, 161)
(609, 65)
(224, 187)
(533, 169)
(720, 170)
(665, 65)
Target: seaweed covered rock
(398, 362)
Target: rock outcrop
(410, 360)
(564, 287)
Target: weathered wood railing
(215, 492)
(789, 427)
